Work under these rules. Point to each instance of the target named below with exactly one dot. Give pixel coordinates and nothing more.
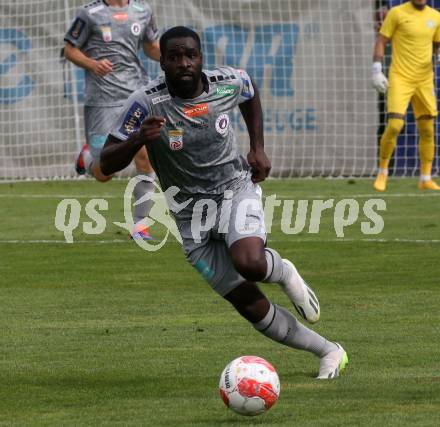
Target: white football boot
(333, 364)
(300, 294)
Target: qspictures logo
(232, 214)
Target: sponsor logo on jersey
(77, 28)
(96, 9)
(159, 99)
(174, 125)
(120, 16)
(222, 124)
(246, 91)
(175, 137)
(196, 110)
(225, 90)
(133, 119)
(106, 33)
(135, 28)
(138, 7)
(199, 125)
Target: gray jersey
(196, 151)
(113, 33)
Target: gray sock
(274, 266)
(144, 187)
(281, 326)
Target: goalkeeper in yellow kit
(414, 30)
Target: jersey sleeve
(244, 91)
(151, 32)
(79, 31)
(131, 116)
(390, 23)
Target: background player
(104, 39)
(412, 27)
(183, 119)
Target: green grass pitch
(100, 332)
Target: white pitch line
(62, 196)
(305, 196)
(334, 240)
(362, 196)
(57, 242)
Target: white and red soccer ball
(249, 385)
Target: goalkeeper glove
(380, 82)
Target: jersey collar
(104, 1)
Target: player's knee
(394, 127)
(249, 301)
(101, 177)
(98, 175)
(426, 130)
(251, 265)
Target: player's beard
(186, 83)
(186, 87)
(418, 6)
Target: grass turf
(100, 332)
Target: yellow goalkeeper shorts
(421, 95)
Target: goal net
(310, 59)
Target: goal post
(310, 60)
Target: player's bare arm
(379, 48)
(117, 155)
(100, 68)
(253, 116)
(152, 50)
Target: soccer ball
(249, 385)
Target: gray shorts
(208, 250)
(99, 122)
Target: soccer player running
(183, 120)
(104, 39)
(413, 29)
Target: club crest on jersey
(133, 120)
(175, 137)
(106, 33)
(430, 23)
(222, 124)
(135, 28)
(196, 110)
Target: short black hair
(178, 32)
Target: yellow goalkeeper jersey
(412, 33)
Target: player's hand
(151, 127)
(260, 165)
(102, 67)
(380, 82)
